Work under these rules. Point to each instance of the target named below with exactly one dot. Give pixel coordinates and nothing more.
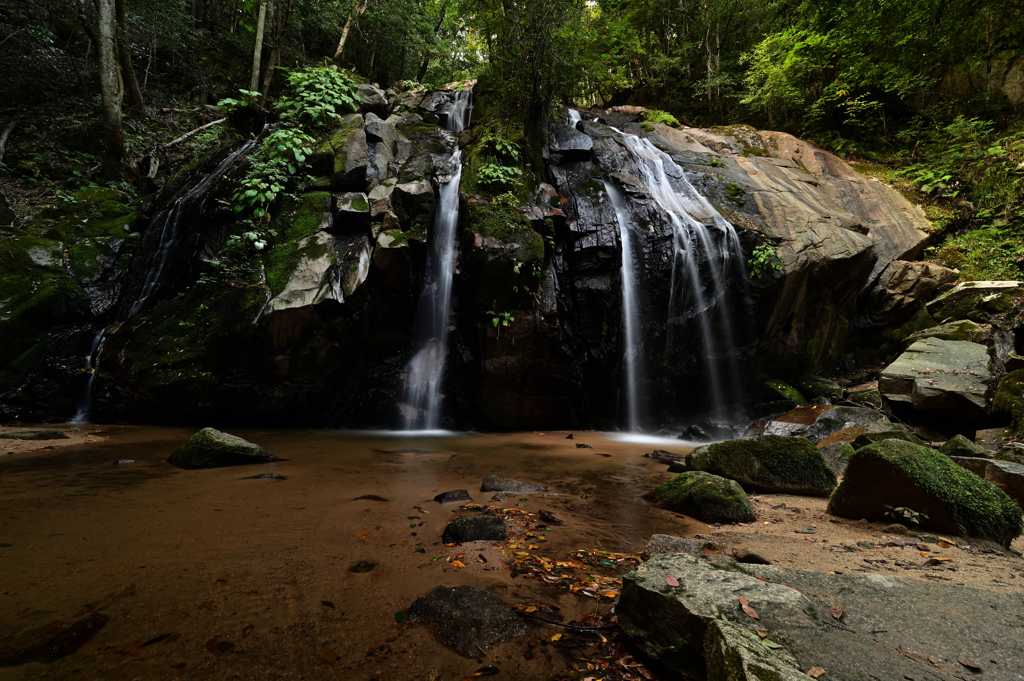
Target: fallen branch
(3, 138)
(197, 130)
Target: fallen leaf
(458, 564)
(970, 664)
(556, 637)
(293, 581)
(935, 561)
(399, 616)
(248, 630)
(211, 645)
(744, 601)
(762, 634)
(327, 654)
(671, 581)
(934, 660)
(206, 605)
(760, 577)
(750, 611)
(646, 674)
(815, 672)
(225, 646)
(405, 542)
(948, 541)
(135, 648)
(837, 611)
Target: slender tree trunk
(131, 83)
(353, 17)
(258, 51)
(113, 135)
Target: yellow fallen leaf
(815, 672)
(556, 637)
(532, 608)
(458, 563)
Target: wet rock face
(466, 619)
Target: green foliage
(283, 152)
(764, 260)
(319, 94)
(501, 320)
(249, 98)
(500, 168)
(663, 117)
(904, 513)
(498, 176)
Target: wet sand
(205, 554)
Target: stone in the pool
(465, 619)
(210, 448)
(662, 455)
(43, 434)
(711, 498)
(453, 496)
(503, 496)
(475, 528)
(492, 483)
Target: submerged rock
(453, 496)
(44, 434)
(492, 483)
(465, 619)
(710, 498)
(894, 473)
(210, 448)
(768, 463)
(475, 528)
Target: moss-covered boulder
(895, 473)
(768, 463)
(888, 431)
(711, 498)
(1009, 400)
(210, 448)
(979, 301)
(958, 445)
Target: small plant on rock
(764, 260)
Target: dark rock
(903, 288)
(768, 463)
(373, 100)
(776, 390)
(666, 543)
(662, 455)
(475, 528)
(1009, 400)
(580, 445)
(897, 432)
(492, 483)
(44, 434)
(569, 436)
(744, 555)
(1006, 475)
(959, 445)
(453, 497)
(365, 566)
(837, 456)
(268, 476)
(210, 448)
(503, 496)
(549, 518)
(695, 433)
(351, 213)
(1012, 452)
(708, 497)
(50, 642)
(895, 473)
(6, 213)
(678, 467)
(465, 619)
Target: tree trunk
(258, 51)
(353, 17)
(131, 83)
(113, 135)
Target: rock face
(769, 463)
(698, 629)
(465, 619)
(947, 380)
(474, 528)
(710, 498)
(492, 483)
(210, 448)
(894, 473)
(903, 288)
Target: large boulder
(978, 301)
(944, 379)
(894, 473)
(904, 287)
(1006, 475)
(818, 423)
(210, 448)
(700, 629)
(466, 619)
(768, 463)
(372, 100)
(474, 528)
(708, 497)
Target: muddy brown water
(207, 555)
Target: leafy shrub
(249, 98)
(764, 260)
(318, 94)
(663, 117)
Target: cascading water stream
(425, 372)
(630, 312)
(85, 401)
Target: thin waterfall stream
(423, 402)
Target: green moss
(1009, 400)
(939, 487)
(977, 306)
(419, 128)
(360, 204)
(777, 389)
(735, 193)
(703, 495)
(507, 225)
(297, 221)
(963, 330)
(768, 463)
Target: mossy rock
(710, 498)
(962, 330)
(474, 528)
(895, 473)
(297, 221)
(819, 387)
(508, 226)
(887, 431)
(210, 448)
(767, 463)
(1009, 400)
(779, 390)
(959, 445)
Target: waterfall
(572, 117)
(630, 311)
(425, 372)
(85, 401)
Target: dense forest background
(924, 94)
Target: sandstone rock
(474, 528)
(963, 330)
(818, 423)
(903, 287)
(894, 473)
(768, 463)
(1012, 452)
(492, 483)
(1006, 475)
(959, 445)
(210, 448)
(466, 619)
(945, 379)
(708, 497)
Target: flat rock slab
(887, 628)
(45, 434)
(940, 376)
(1005, 475)
(492, 483)
(466, 619)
